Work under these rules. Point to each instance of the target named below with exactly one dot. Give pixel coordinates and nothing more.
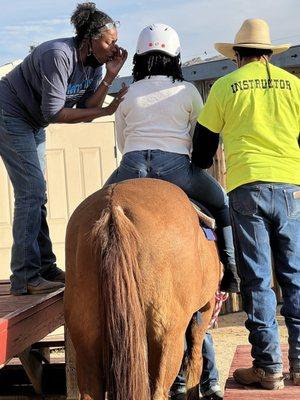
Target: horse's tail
(125, 366)
(193, 359)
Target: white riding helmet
(158, 37)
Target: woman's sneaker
(214, 393)
(214, 396)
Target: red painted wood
(242, 359)
(26, 319)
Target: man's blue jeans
(266, 227)
(23, 151)
(194, 181)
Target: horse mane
(115, 243)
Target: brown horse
(137, 268)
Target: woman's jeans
(266, 227)
(194, 181)
(23, 152)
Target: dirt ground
(230, 333)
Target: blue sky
(199, 23)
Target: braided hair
(156, 63)
(88, 21)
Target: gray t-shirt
(49, 79)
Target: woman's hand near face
(114, 65)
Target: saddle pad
(209, 233)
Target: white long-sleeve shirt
(158, 114)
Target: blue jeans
(194, 181)
(209, 380)
(266, 227)
(23, 151)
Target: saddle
(205, 217)
(207, 222)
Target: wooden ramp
(25, 320)
(242, 359)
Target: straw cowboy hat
(254, 33)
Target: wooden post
(33, 368)
(71, 376)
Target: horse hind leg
(195, 335)
(165, 357)
(86, 340)
(90, 378)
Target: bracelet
(106, 84)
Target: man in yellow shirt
(256, 109)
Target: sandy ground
(230, 333)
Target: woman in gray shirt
(59, 82)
